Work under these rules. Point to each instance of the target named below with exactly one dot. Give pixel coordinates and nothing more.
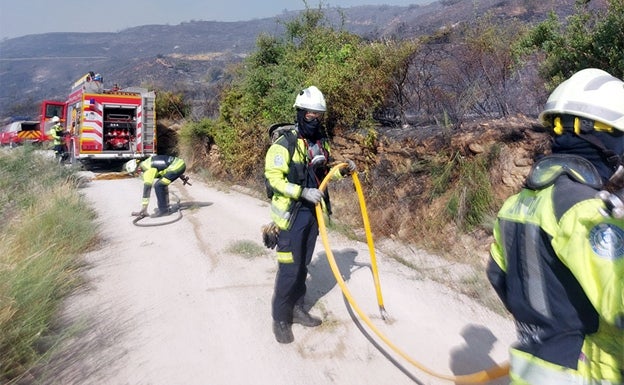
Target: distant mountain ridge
(192, 54)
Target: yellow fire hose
(473, 378)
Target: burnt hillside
(191, 56)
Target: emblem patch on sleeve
(607, 241)
(278, 160)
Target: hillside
(191, 56)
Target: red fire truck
(104, 124)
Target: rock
(476, 148)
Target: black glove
(348, 169)
(312, 195)
(185, 180)
(270, 235)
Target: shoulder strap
(291, 139)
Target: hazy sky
(26, 17)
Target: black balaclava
(311, 130)
(570, 143)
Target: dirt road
(184, 303)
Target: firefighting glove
(312, 195)
(185, 180)
(348, 169)
(270, 234)
(142, 213)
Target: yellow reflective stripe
(527, 369)
(285, 257)
(599, 126)
(558, 127)
(176, 165)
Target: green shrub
(46, 227)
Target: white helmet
(131, 166)
(590, 93)
(311, 99)
(56, 119)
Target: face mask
(308, 129)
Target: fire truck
(20, 131)
(104, 124)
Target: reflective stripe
(529, 370)
(176, 165)
(281, 214)
(285, 257)
(534, 280)
(293, 190)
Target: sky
(26, 17)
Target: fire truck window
(53, 111)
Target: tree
(590, 38)
(171, 105)
(356, 76)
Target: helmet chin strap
(613, 160)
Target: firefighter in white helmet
(57, 133)
(295, 182)
(557, 261)
(158, 171)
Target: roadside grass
(46, 227)
(247, 249)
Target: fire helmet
(56, 119)
(311, 99)
(590, 93)
(97, 78)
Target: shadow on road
(474, 355)
(321, 279)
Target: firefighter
(57, 132)
(158, 171)
(557, 260)
(295, 184)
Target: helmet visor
(549, 168)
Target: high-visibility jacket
(288, 177)
(165, 168)
(56, 132)
(557, 263)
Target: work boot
(283, 332)
(302, 317)
(160, 213)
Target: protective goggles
(311, 115)
(549, 168)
